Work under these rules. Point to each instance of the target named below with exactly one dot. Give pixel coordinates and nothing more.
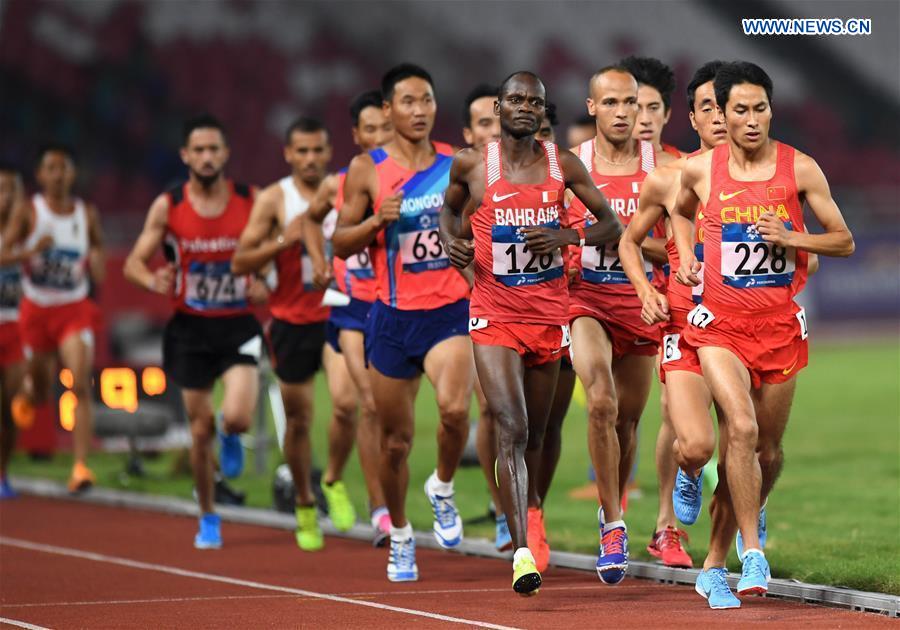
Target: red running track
(66, 564)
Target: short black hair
(550, 114)
(400, 72)
(201, 121)
(372, 98)
(518, 73)
(736, 73)
(704, 74)
(54, 147)
(304, 124)
(653, 72)
(583, 121)
(8, 166)
(481, 90)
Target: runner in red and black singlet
(519, 305)
(750, 335)
(212, 333)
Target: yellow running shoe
(340, 509)
(308, 534)
(526, 579)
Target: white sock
(748, 551)
(438, 487)
(402, 533)
(522, 552)
(613, 524)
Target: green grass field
(834, 516)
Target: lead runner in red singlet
(750, 335)
(58, 240)
(212, 333)
(613, 349)
(519, 311)
(418, 322)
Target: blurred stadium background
(115, 79)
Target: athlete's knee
(603, 410)
(696, 450)
(454, 414)
(771, 459)
(81, 386)
(344, 413)
(201, 429)
(396, 445)
(743, 432)
(512, 431)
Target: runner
(656, 82)
(418, 322)
(212, 334)
(518, 266)
(58, 239)
(480, 123)
(356, 279)
(580, 130)
(613, 349)
(547, 133)
(750, 335)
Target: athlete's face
(205, 153)
(613, 103)
(412, 108)
(707, 119)
(56, 173)
(484, 124)
(652, 115)
(373, 129)
(522, 106)
(748, 115)
(546, 133)
(9, 186)
(308, 154)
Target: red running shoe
(666, 545)
(537, 539)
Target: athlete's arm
(682, 218)
(607, 228)
(651, 207)
(458, 245)
(136, 267)
(314, 243)
(256, 246)
(96, 252)
(354, 232)
(15, 233)
(811, 183)
(323, 201)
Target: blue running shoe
(210, 534)
(231, 454)
(402, 561)
(612, 561)
(754, 575)
(687, 495)
(761, 533)
(447, 523)
(6, 490)
(712, 585)
(503, 540)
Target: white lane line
(161, 568)
(155, 600)
(21, 624)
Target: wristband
(580, 231)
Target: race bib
(306, 271)
(211, 286)
(566, 337)
(750, 262)
(671, 351)
(58, 269)
(514, 265)
(476, 323)
(10, 288)
(420, 243)
(601, 265)
(804, 328)
(360, 265)
(700, 316)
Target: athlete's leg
(666, 467)
(241, 390)
(552, 446)
(633, 376)
(721, 511)
(342, 430)
(486, 444)
(773, 408)
(198, 406)
(592, 361)
(368, 435)
(448, 366)
(540, 385)
(10, 382)
(41, 369)
(76, 353)
(298, 411)
(729, 382)
(688, 401)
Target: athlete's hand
(45, 243)
(572, 275)
(293, 233)
(163, 279)
(655, 307)
(687, 274)
(390, 209)
(543, 240)
(257, 291)
(461, 251)
(322, 276)
(772, 229)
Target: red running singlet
(354, 275)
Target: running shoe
(340, 509)
(381, 522)
(712, 586)
(231, 454)
(687, 496)
(447, 523)
(612, 561)
(761, 533)
(666, 545)
(537, 539)
(210, 534)
(402, 560)
(755, 574)
(81, 478)
(502, 539)
(309, 534)
(526, 577)
(6, 490)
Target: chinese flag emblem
(549, 196)
(776, 193)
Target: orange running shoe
(22, 412)
(81, 478)
(537, 539)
